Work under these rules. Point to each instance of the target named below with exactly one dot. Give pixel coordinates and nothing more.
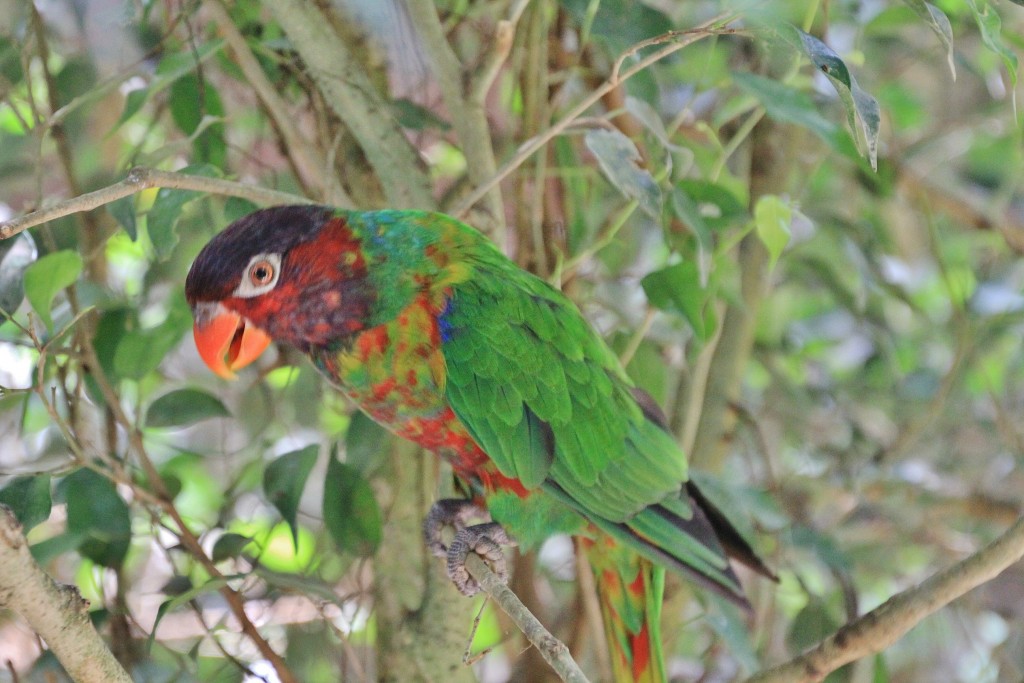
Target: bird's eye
(261, 273)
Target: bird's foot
(484, 539)
(449, 512)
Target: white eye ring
(260, 276)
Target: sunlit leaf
(46, 277)
(29, 499)
(620, 161)
(283, 481)
(351, 514)
(97, 513)
(183, 407)
(772, 218)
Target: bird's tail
(630, 590)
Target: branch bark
(57, 613)
(884, 625)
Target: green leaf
(29, 499)
(991, 28)
(162, 217)
(140, 352)
(15, 257)
(183, 407)
(169, 605)
(939, 23)
(811, 625)
(46, 277)
(772, 218)
(678, 287)
(365, 443)
(97, 513)
(173, 66)
(880, 673)
(229, 545)
(619, 159)
(283, 481)
(858, 104)
(123, 211)
(351, 514)
(789, 105)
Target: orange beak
(225, 342)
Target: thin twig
(884, 625)
(139, 179)
(553, 650)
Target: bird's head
(291, 274)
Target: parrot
(439, 337)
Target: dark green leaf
(184, 407)
(283, 481)
(46, 277)
(811, 625)
(620, 160)
(229, 545)
(351, 514)
(29, 499)
(678, 287)
(123, 211)
(45, 551)
(173, 66)
(366, 443)
(15, 257)
(414, 117)
(98, 513)
(725, 208)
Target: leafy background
(802, 236)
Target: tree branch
(350, 94)
(139, 179)
(680, 39)
(465, 101)
(884, 625)
(553, 650)
(310, 164)
(57, 613)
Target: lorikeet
(439, 337)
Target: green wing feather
(549, 403)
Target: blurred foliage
(803, 236)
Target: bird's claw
(449, 512)
(486, 541)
